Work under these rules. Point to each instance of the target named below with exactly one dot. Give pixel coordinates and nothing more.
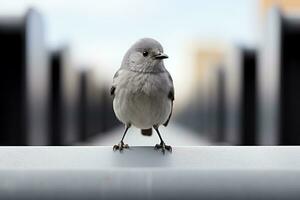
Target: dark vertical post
(23, 81)
(221, 102)
(290, 82)
(279, 74)
(13, 129)
(248, 98)
(55, 108)
(83, 106)
(63, 100)
(240, 97)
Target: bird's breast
(144, 101)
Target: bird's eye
(145, 53)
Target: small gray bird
(143, 91)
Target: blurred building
(64, 99)
(249, 97)
(279, 74)
(24, 81)
(44, 99)
(96, 113)
(240, 96)
(228, 88)
(200, 112)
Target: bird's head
(146, 55)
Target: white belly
(141, 110)
(142, 106)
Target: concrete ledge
(143, 173)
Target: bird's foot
(120, 146)
(163, 147)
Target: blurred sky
(99, 32)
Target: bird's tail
(146, 132)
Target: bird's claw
(120, 146)
(163, 147)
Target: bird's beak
(161, 56)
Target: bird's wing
(112, 90)
(171, 97)
(114, 84)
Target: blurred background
(235, 66)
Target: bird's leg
(121, 145)
(162, 144)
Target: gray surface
(141, 172)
